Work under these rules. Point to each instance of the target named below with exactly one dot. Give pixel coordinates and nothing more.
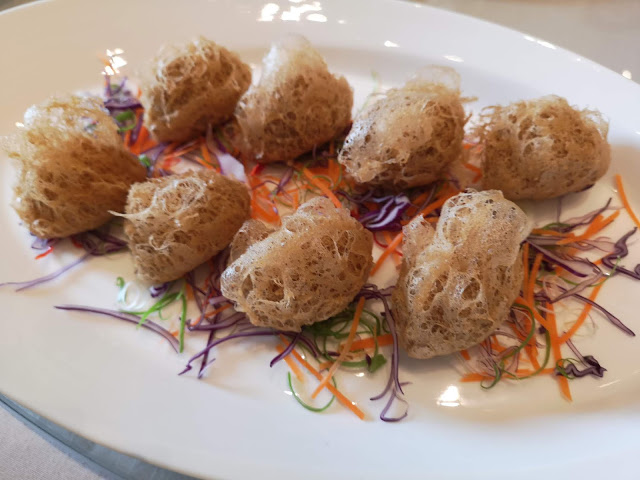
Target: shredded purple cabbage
(157, 290)
(47, 278)
(127, 317)
(394, 386)
(228, 322)
(387, 217)
(586, 219)
(620, 251)
(43, 243)
(255, 332)
(286, 351)
(583, 285)
(591, 365)
(615, 321)
(95, 243)
(122, 102)
(580, 267)
(98, 242)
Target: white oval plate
(118, 386)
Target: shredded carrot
(292, 365)
(625, 201)
(537, 316)
(420, 198)
(325, 365)
(545, 371)
(174, 333)
(211, 314)
(323, 188)
(532, 278)
(383, 341)
(259, 212)
(530, 349)
(45, 253)
(171, 147)
(258, 167)
(532, 353)
(583, 316)
(495, 345)
(525, 259)
(190, 147)
(169, 162)
(345, 350)
(434, 205)
(340, 396)
(396, 255)
(474, 377)
(296, 199)
(143, 134)
(465, 355)
(205, 153)
(557, 354)
(390, 248)
(598, 224)
(148, 145)
(478, 377)
(471, 167)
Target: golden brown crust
(305, 272)
(252, 231)
(297, 105)
(177, 222)
(73, 167)
(190, 87)
(543, 148)
(457, 282)
(410, 135)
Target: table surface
(605, 31)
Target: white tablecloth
(607, 31)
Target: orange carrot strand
(583, 316)
(625, 200)
(390, 248)
(396, 254)
(533, 277)
(292, 365)
(563, 382)
(345, 350)
(340, 396)
(322, 187)
(45, 253)
(383, 341)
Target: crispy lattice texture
(190, 87)
(543, 148)
(177, 222)
(252, 231)
(457, 282)
(298, 104)
(410, 135)
(72, 167)
(305, 272)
